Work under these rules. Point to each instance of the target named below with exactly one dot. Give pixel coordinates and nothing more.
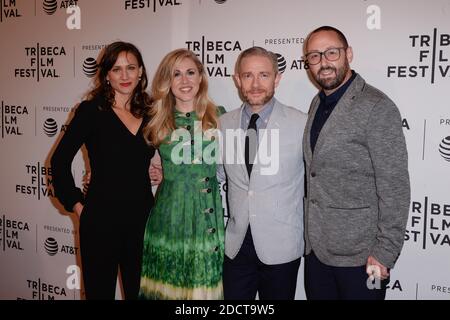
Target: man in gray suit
(264, 235)
(358, 189)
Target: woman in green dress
(184, 236)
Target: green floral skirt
(184, 242)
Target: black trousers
(245, 275)
(323, 282)
(106, 246)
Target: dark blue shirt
(326, 106)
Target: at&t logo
(50, 6)
(281, 63)
(285, 63)
(90, 67)
(50, 127)
(444, 148)
(52, 248)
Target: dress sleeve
(75, 136)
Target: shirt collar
(264, 113)
(335, 96)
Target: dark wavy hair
(104, 93)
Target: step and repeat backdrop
(48, 60)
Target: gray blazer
(358, 189)
(271, 203)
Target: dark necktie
(251, 144)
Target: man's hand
(376, 269)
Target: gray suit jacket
(271, 202)
(358, 190)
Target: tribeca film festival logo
(41, 290)
(11, 116)
(11, 231)
(41, 184)
(212, 54)
(433, 58)
(8, 10)
(52, 247)
(155, 5)
(42, 62)
(429, 224)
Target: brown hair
(257, 51)
(140, 100)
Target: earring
(107, 82)
(139, 78)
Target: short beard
(263, 100)
(336, 82)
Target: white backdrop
(48, 53)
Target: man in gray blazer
(265, 176)
(358, 189)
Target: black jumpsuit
(118, 201)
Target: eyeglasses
(331, 54)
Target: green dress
(184, 235)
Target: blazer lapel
(275, 119)
(307, 135)
(239, 147)
(339, 111)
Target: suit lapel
(307, 135)
(275, 119)
(239, 148)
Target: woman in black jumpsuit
(119, 198)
